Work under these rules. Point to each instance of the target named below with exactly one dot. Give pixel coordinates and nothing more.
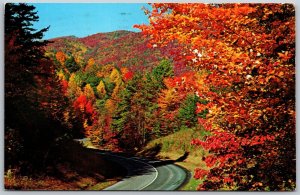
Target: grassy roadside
(174, 147)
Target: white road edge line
(156, 175)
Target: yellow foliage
(167, 98)
(101, 89)
(61, 75)
(115, 77)
(73, 88)
(105, 70)
(89, 92)
(90, 64)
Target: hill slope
(119, 48)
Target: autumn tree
(171, 101)
(88, 91)
(126, 74)
(90, 64)
(101, 89)
(121, 115)
(248, 52)
(86, 113)
(115, 76)
(74, 86)
(61, 57)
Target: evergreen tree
(136, 116)
(126, 119)
(187, 111)
(121, 115)
(23, 48)
(154, 84)
(28, 114)
(156, 77)
(34, 103)
(163, 70)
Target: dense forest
(122, 102)
(225, 70)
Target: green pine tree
(187, 111)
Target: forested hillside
(119, 48)
(120, 88)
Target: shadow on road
(144, 168)
(133, 166)
(137, 165)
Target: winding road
(143, 174)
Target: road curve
(139, 174)
(170, 177)
(147, 175)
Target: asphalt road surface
(147, 175)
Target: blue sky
(83, 19)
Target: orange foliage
(248, 52)
(61, 57)
(90, 64)
(87, 113)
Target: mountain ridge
(120, 48)
(90, 35)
